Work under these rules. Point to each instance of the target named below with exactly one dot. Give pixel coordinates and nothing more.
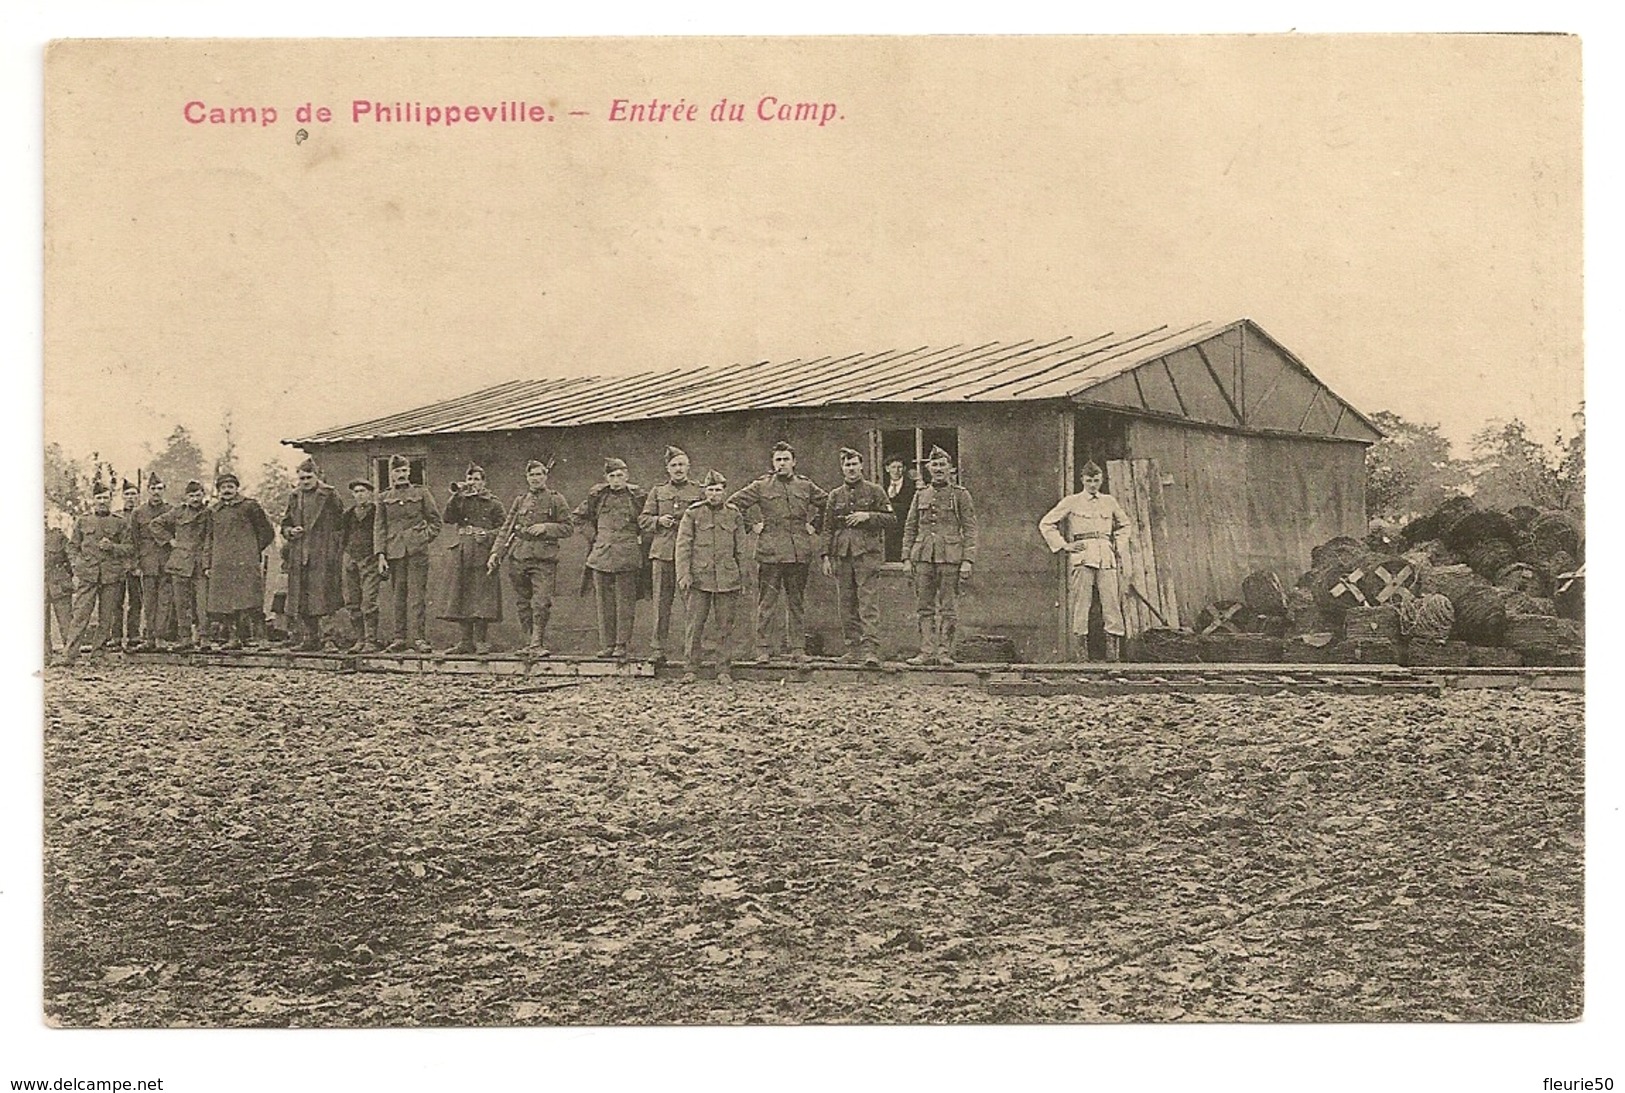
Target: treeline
(1412, 470)
(69, 480)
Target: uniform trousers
(190, 612)
(936, 597)
(857, 594)
(409, 596)
(700, 606)
(1081, 582)
(535, 583)
(360, 582)
(665, 593)
(98, 601)
(777, 581)
(157, 608)
(127, 603)
(617, 595)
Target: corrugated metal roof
(987, 372)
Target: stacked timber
(1436, 653)
(986, 649)
(1371, 624)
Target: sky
(1403, 212)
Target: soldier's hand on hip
(535, 529)
(964, 571)
(491, 565)
(383, 566)
(829, 570)
(667, 521)
(1075, 547)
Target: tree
(1509, 467)
(276, 482)
(66, 485)
(226, 461)
(180, 461)
(1410, 470)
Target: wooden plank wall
(1137, 485)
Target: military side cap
(399, 462)
(153, 481)
(713, 478)
(307, 466)
(672, 452)
(1090, 469)
(130, 487)
(193, 486)
(539, 465)
(473, 469)
(226, 476)
(850, 453)
(614, 464)
(938, 455)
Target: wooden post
(1068, 438)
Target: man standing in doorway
(1096, 530)
(783, 508)
(538, 521)
(405, 524)
(900, 492)
(662, 511)
(857, 518)
(939, 550)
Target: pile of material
(1460, 586)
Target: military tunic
(615, 559)
(709, 558)
(475, 592)
(856, 554)
(939, 535)
(406, 522)
(151, 554)
(186, 530)
(788, 510)
(538, 521)
(666, 499)
(101, 553)
(58, 585)
(1102, 527)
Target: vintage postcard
(901, 531)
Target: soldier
(939, 549)
(184, 531)
(1096, 531)
(783, 507)
(474, 596)
(239, 533)
(359, 577)
(156, 599)
(313, 526)
(58, 582)
(610, 513)
(100, 552)
(709, 557)
(406, 522)
(127, 595)
(857, 519)
(538, 520)
(662, 511)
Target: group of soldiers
(185, 566)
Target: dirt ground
(244, 847)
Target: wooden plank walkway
(1004, 679)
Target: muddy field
(248, 847)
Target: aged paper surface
(307, 234)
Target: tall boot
(1114, 648)
(482, 637)
(311, 634)
(1081, 655)
(369, 632)
(945, 651)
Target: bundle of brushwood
(1481, 616)
(1263, 594)
(1428, 617)
(1162, 645)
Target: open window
(910, 447)
(380, 470)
